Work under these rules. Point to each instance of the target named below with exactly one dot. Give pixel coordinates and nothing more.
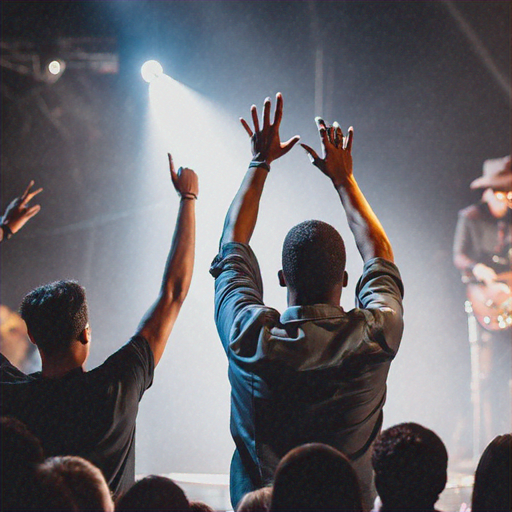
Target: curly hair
(313, 259)
(410, 464)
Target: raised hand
(185, 181)
(336, 161)
(19, 212)
(266, 143)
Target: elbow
(175, 294)
(383, 249)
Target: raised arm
(157, 323)
(370, 237)
(266, 147)
(19, 212)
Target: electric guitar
(492, 303)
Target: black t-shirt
(89, 414)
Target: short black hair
(153, 493)
(491, 490)
(313, 259)
(410, 464)
(55, 314)
(315, 477)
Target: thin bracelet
(188, 195)
(257, 163)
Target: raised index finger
(174, 176)
(25, 194)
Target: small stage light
(52, 70)
(54, 67)
(150, 70)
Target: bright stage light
(55, 67)
(52, 69)
(150, 70)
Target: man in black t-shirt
(92, 414)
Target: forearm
(243, 212)
(158, 322)
(369, 235)
(463, 262)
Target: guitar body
(492, 303)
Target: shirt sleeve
(132, 364)
(380, 291)
(463, 245)
(240, 314)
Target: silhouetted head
(200, 506)
(153, 494)
(315, 477)
(56, 315)
(313, 262)
(410, 464)
(256, 501)
(20, 453)
(491, 490)
(84, 482)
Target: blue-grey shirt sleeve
(240, 313)
(380, 291)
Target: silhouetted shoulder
(475, 211)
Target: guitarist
(482, 252)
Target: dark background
(426, 86)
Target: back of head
(55, 315)
(153, 494)
(315, 477)
(256, 501)
(84, 482)
(410, 464)
(491, 490)
(313, 259)
(21, 452)
(200, 506)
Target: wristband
(7, 231)
(188, 195)
(257, 163)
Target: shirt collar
(314, 312)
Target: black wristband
(256, 163)
(7, 231)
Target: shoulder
(382, 274)
(473, 212)
(233, 255)
(9, 372)
(134, 354)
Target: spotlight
(54, 67)
(52, 70)
(150, 70)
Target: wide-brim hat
(497, 175)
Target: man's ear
(282, 281)
(85, 335)
(345, 279)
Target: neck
(296, 299)
(60, 364)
